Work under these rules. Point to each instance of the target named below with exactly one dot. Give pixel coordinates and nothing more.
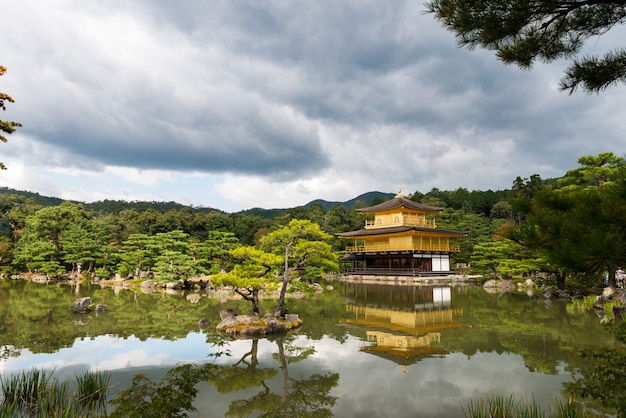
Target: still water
(364, 350)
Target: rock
(203, 323)
(226, 313)
(100, 308)
(193, 298)
(273, 326)
(490, 283)
(292, 318)
(505, 285)
(608, 292)
(81, 304)
(317, 287)
(530, 282)
(147, 284)
(40, 278)
(329, 288)
(246, 325)
(234, 324)
(548, 293)
(177, 285)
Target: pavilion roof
(397, 202)
(398, 229)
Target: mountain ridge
(114, 206)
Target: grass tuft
(500, 406)
(37, 394)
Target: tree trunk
(560, 280)
(251, 296)
(283, 366)
(255, 303)
(281, 299)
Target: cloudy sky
(241, 104)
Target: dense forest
(536, 227)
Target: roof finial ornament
(399, 193)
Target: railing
(375, 271)
(430, 223)
(387, 248)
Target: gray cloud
(289, 91)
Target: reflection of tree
(304, 397)
(244, 373)
(39, 317)
(602, 376)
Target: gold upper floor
(399, 218)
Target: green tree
(172, 255)
(580, 231)
(218, 247)
(594, 171)
(251, 274)
(79, 246)
(523, 32)
(503, 258)
(135, 254)
(301, 243)
(6, 126)
(43, 240)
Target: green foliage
(218, 247)
(582, 305)
(301, 243)
(579, 229)
(179, 242)
(598, 171)
(503, 257)
(522, 32)
(252, 273)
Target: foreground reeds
(499, 406)
(37, 393)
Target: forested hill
(116, 206)
(106, 206)
(365, 199)
(38, 199)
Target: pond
(364, 350)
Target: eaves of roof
(398, 229)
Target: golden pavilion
(401, 240)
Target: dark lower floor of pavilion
(397, 263)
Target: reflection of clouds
(136, 358)
(369, 386)
(436, 387)
(331, 353)
(106, 352)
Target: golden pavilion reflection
(406, 336)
